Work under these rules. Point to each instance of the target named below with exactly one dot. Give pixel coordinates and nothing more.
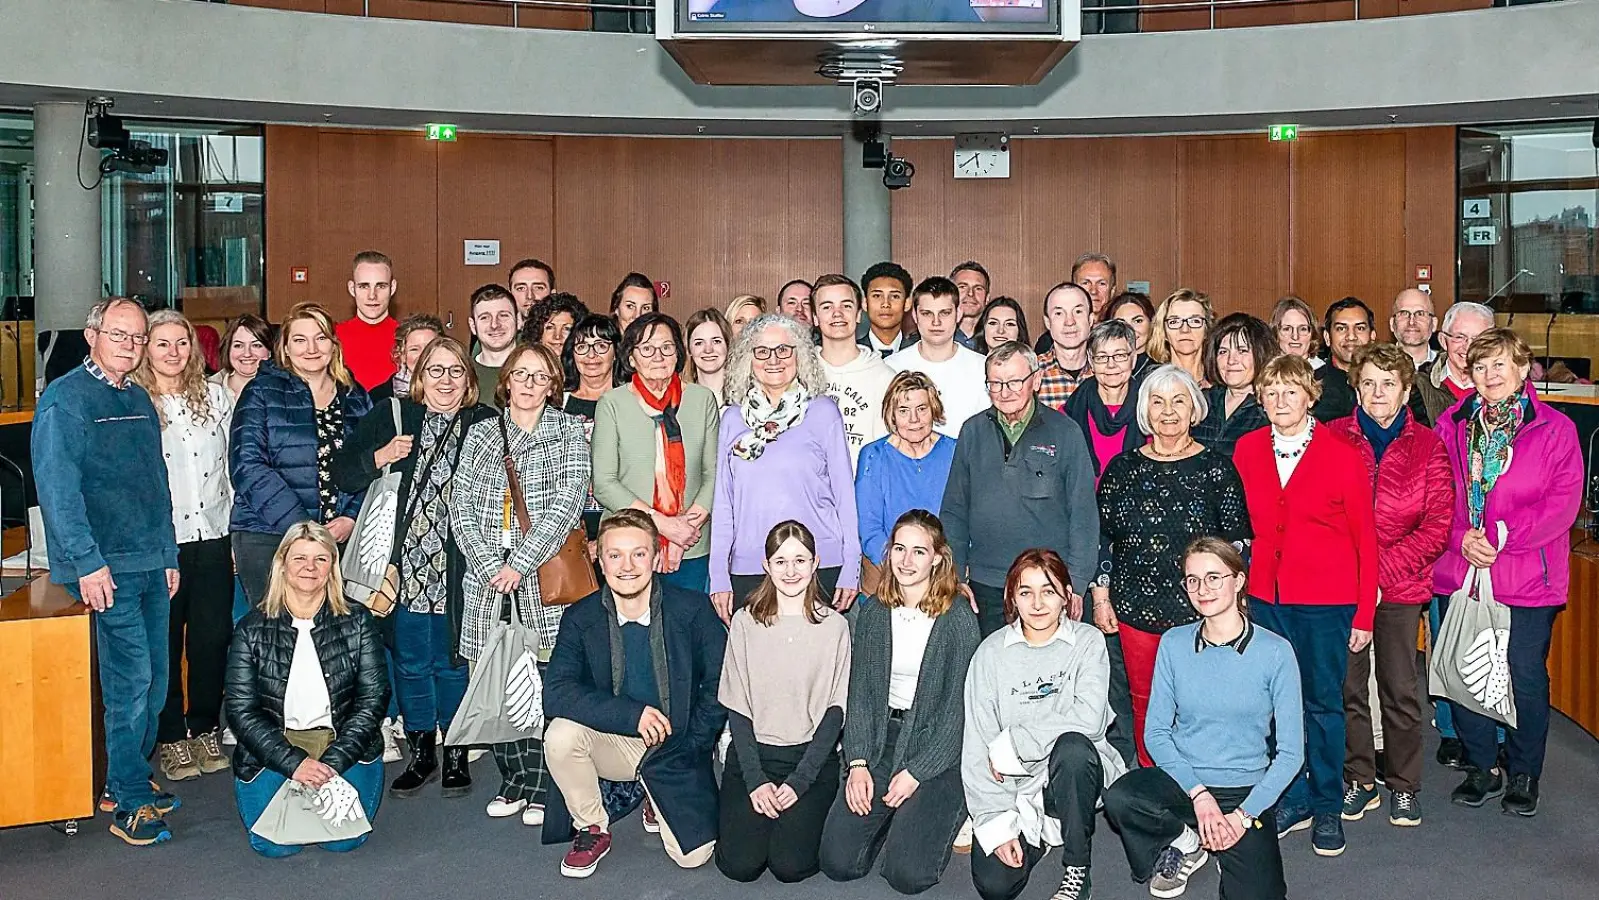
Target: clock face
(982, 156)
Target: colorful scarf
(768, 420)
(1493, 430)
(670, 466)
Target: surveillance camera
(868, 96)
(897, 173)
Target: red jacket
(1415, 495)
(1315, 540)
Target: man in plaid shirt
(1067, 316)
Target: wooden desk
(1574, 651)
(46, 707)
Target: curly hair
(195, 390)
(547, 309)
(741, 359)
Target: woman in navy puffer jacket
(291, 418)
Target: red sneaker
(652, 825)
(588, 848)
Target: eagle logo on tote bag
(1485, 666)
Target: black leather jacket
(351, 652)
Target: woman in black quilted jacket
(306, 689)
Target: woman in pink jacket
(1518, 476)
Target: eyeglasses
(1185, 323)
(1293, 330)
(119, 336)
(1212, 582)
(591, 348)
(1011, 386)
(781, 351)
(665, 351)
(1413, 314)
(1105, 359)
(527, 376)
(437, 372)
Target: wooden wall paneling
(1233, 220)
(1425, 7)
(816, 195)
(1183, 20)
(1138, 211)
(1304, 12)
(1573, 662)
(596, 183)
(292, 194)
(920, 213)
(1061, 184)
(490, 187)
(294, 5)
(1430, 209)
(46, 720)
(434, 11)
(548, 17)
(1347, 223)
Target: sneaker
(228, 740)
(533, 815)
(588, 848)
(392, 734)
(1452, 753)
(1291, 819)
(165, 802)
(207, 750)
(108, 803)
(963, 838)
(1327, 835)
(1172, 870)
(475, 754)
(1404, 809)
(652, 825)
(1358, 799)
(1521, 798)
(1075, 885)
(1478, 788)
(501, 808)
(177, 761)
(141, 827)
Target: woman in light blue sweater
(1221, 685)
(907, 469)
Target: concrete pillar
(66, 219)
(868, 232)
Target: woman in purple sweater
(1518, 478)
(782, 455)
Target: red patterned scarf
(671, 467)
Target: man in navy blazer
(630, 693)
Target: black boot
(424, 764)
(457, 777)
(1521, 798)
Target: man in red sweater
(367, 339)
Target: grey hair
(1100, 258)
(1007, 351)
(1467, 306)
(741, 359)
(97, 312)
(1111, 330)
(1162, 378)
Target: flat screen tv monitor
(868, 17)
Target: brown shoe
(207, 752)
(177, 761)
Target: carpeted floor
(429, 847)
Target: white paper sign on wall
(482, 253)
(1481, 235)
(1476, 208)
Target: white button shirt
(196, 453)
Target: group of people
(910, 582)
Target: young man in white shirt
(956, 371)
(857, 377)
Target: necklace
(1175, 454)
(1296, 452)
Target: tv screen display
(869, 16)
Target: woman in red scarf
(655, 447)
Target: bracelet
(857, 764)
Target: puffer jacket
(272, 452)
(1415, 497)
(257, 677)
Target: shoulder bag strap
(513, 484)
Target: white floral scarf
(767, 420)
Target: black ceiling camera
(898, 172)
(104, 131)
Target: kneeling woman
(1221, 687)
(902, 735)
(306, 687)
(1034, 758)
(784, 683)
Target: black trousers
(749, 843)
(914, 841)
(200, 628)
(1148, 809)
(1075, 783)
(990, 607)
(1120, 734)
(745, 585)
(252, 556)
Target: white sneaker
(393, 733)
(476, 754)
(722, 743)
(228, 740)
(963, 838)
(533, 814)
(501, 808)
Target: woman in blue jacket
(291, 419)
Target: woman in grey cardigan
(902, 732)
(655, 447)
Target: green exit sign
(1285, 132)
(447, 133)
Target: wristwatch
(1249, 820)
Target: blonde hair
(904, 383)
(942, 584)
(741, 301)
(1289, 304)
(1495, 341)
(1289, 369)
(447, 344)
(195, 390)
(278, 588)
(1157, 348)
(324, 323)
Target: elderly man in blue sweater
(107, 511)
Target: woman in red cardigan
(1415, 497)
(1312, 574)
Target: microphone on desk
(27, 524)
(1510, 281)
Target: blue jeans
(253, 797)
(693, 574)
(131, 640)
(1320, 638)
(429, 688)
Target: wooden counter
(1574, 651)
